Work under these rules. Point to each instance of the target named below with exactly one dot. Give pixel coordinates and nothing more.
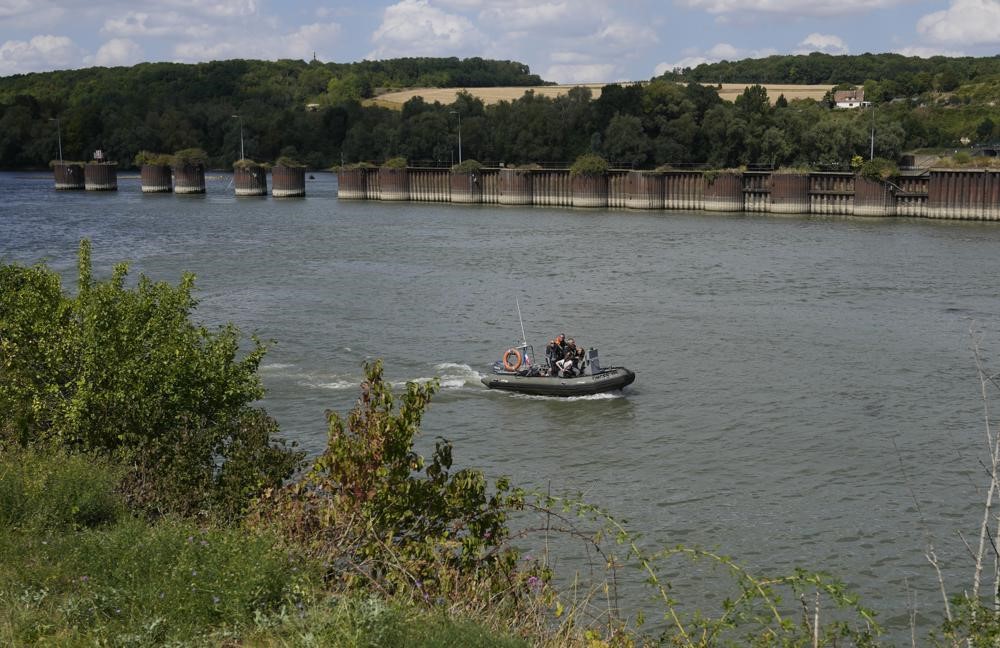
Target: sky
(566, 41)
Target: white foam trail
(452, 375)
(568, 399)
(335, 385)
(275, 366)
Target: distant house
(312, 107)
(850, 98)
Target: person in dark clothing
(553, 353)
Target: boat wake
(452, 376)
(566, 399)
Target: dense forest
(322, 115)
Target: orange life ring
(507, 364)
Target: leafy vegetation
(320, 114)
(373, 545)
(589, 164)
(124, 373)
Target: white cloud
(789, 7)
(927, 52)
(11, 8)
(826, 43)
(718, 52)
(219, 8)
(118, 51)
(967, 22)
(160, 24)
(300, 44)
(625, 36)
(43, 52)
(582, 73)
(415, 28)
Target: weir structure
(101, 176)
(68, 175)
(288, 181)
(156, 178)
(249, 178)
(971, 194)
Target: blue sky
(567, 41)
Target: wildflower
(190, 539)
(194, 572)
(84, 579)
(215, 600)
(204, 543)
(534, 583)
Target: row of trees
(317, 113)
(911, 74)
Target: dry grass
(489, 96)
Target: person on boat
(553, 353)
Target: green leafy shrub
(247, 163)
(289, 163)
(467, 166)
(879, 170)
(395, 163)
(589, 164)
(143, 158)
(189, 157)
(55, 163)
(365, 507)
(124, 372)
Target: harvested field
(728, 92)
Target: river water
(806, 392)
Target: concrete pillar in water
(590, 190)
(789, 193)
(156, 178)
(756, 192)
(723, 191)
(101, 176)
(68, 176)
(249, 179)
(644, 190)
(873, 198)
(189, 178)
(466, 187)
(288, 181)
(352, 184)
(394, 183)
(515, 187)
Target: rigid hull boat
(515, 372)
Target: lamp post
(58, 135)
(455, 112)
(871, 155)
(242, 153)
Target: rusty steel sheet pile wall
(940, 193)
(430, 185)
(911, 200)
(68, 177)
(683, 190)
(756, 192)
(831, 193)
(515, 187)
(724, 192)
(250, 180)
(189, 179)
(156, 178)
(873, 198)
(789, 193)
(644, 190)
(616, 189)
(101, 176)
(466, 187)
(590, 190)
(393, 184)
(352, 184)
(963, 194)
(288, 182)
(552, 188)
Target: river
(806, 391)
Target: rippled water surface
(803, 383)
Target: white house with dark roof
(850, 98)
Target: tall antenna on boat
(524, 339)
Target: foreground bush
(124, 372)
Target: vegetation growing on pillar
(589, 164)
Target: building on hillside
(850, 98)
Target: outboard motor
(593, 363)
